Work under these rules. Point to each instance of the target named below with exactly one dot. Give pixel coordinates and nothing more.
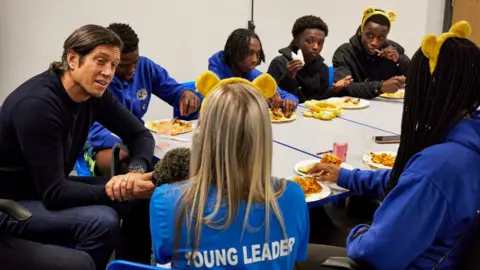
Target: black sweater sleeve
(278, 70)
(40, 137)
(116, 118)
(367, 90)
(403, 64)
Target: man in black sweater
(44, 125)
(376, 64)
(307, 79)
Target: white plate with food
(350, 103)
(380, 160)
(400, 94)
(303, 167)
(313, 189)
(277, 116)
(177, 126)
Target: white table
(300, 139)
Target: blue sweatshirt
(227, 248)
(433, 205)
(135, 95)
(223, 71)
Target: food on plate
(326, 159)
(384, 159)
(177, 126)
(308, 184)
(351, 101)
(324, 115)
(322, 109)
(331, 159)
(307, 168)
(398, 95)
(278, 115)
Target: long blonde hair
(231, 152)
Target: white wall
(181, 34)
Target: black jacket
(367, 71)
(311, 82)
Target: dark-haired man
(243, 52)
(136, 79)
(376, 64)
(307, 79)
(43, 127)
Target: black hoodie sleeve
(367, 90)
(278, 70)
(403, 64)
(120, 121)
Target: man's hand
(130, 186)
(390, 53)
(189, 103)
(342, 83)
(393, 84)
(325, 172)
(293, 67)
(275, 101)
(289, 107)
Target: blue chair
(193, 116)
(126, 265)
(330, 76)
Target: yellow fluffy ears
(370, 11)
(431, 44)
(207, 82)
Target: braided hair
(435, 103)
(237, 47)
(129, 37)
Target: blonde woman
(231, 212)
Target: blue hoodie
(433, 205)
(135, 95)
(223, 71)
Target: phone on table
(387, 139)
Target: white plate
(148, 126)
(326, 191)
(340, 101)
(292, 117)
(401, 91)
(367, 158)
(310, 161)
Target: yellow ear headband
(370, 11)
(431, 44)
(207, 82)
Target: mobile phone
(387, 139)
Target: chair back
(126, 265)
(330, 76)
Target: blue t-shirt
(221, 249)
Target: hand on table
(189, 103)
(130, 186)
(325, 172)
(289, 107)
(342, 83)
(393, 84)
(275, 101)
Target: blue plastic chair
(126, 265)
(330, 76)
(193, 116)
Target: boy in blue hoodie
(243, 52)
(136, 79)
(432, 195)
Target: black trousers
(27, 255)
